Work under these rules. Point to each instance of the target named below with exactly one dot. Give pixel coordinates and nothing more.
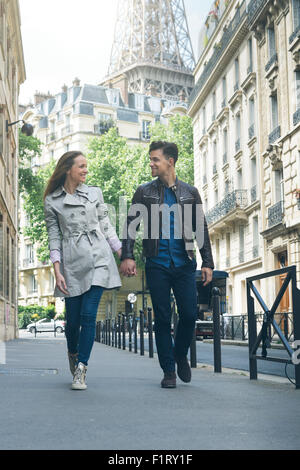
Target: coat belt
(84, 232)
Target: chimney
(76, 82)
(40, 97)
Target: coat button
(72, 216)
(83, 213)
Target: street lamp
(26, 128)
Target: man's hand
(128, 267)
(206, 275)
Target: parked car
(204, 329)
(47, 325)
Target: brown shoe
(183, 369)
(169, 380)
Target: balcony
(275, 134)
(232, 207)
(66, 131)
(275, 214)
(28, 262)
(272, 61)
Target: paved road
(124, 406)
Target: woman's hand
(61, 283)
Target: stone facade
(244, 112)
(12, 73)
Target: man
(170, 261)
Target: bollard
(216, 325)
(123, 332)
(142, 351)
(193, 351)
(150, 332)
(109, 332)
(135, 332)
(119, 330)
(130, 333)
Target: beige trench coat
(79, 230)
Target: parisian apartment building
(246, 118)
(12, 73)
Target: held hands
(128, 267)
(206, 275)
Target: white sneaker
(79, 377)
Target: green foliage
(29, 313)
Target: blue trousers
(80, 330)
(182, 281)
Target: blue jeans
(80, 330)
(182, 281)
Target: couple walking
(82, 241)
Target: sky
(64, 39)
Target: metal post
(142, 333)
(150, 332)
(193, 351)
(252, 335)
(135, 332)
(109, 332)
(216, 327)
(123, 331)
(119, 330)
(130, 332)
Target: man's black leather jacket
(153, 193)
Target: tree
(32, 184)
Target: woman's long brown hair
(59, 175)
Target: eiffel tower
(152, 51)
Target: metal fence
(235, 327)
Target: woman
(81, 241)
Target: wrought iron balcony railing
(272, 61)
(235, 199)
(275, 134)
(275, 214)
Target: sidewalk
(124, 406)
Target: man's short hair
(169, 149)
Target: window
(240, 179)
(297, 75)
(214, 106)
(8, 263)
(255, 237)
(33, 284)
(237, 73)
(225, 145)
(250, 55)
(216, 196)
(204, 119)
(279, 188)
(296, 14)
(204, 170)
(215, 156)
(242, 243)
(274, 111)
(224, 90)
(271, 42)
(29, 253)
(251, 111)
(1, 133)
(238, 132)
(146, 130)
